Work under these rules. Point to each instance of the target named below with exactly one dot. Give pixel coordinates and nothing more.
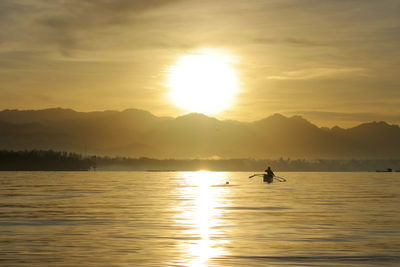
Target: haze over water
(196, 219)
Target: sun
(204, 82)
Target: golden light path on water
(201, 215)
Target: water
(196, 219)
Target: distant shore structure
(387, 170)
(162, 171)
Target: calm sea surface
(196, 219)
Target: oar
(256, 174)
(280, 179)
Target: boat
(268, 178)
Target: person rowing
(269, 176)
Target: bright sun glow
(203, 82)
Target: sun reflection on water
(201, 215)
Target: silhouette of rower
(269, 177)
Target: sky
(335, 62)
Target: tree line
(44, 160)
(49, 160)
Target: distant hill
(138, 133)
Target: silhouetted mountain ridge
(137, 133)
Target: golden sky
(332, 61)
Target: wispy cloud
(290, 41)
(317, 73)
(346, 118)
(71, 24)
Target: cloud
(338, 49)
(71, 24)
(343, 117)
(289, 41)
(317, 73)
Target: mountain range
(138, 133)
